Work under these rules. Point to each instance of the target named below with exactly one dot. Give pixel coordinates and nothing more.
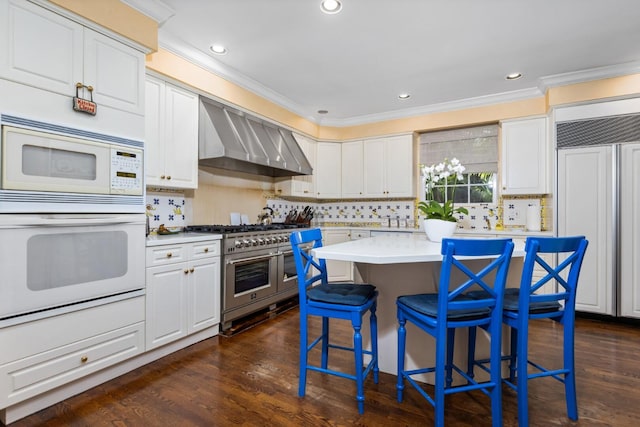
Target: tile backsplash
(171, 209)
(381, 213)
(167, 209)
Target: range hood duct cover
(233, 140)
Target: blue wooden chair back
(312, 270)
(565, 275)
(490, 279)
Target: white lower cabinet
(42, 355)
(183, 290)
(338, 271)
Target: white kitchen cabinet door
(585, 208)
(525, 156)
(171, 129)
(399, 166)
(115, 71)
(167, 294)
(337, 271)
(301, 185)
(328, 176)
(388, 167)
(630, 231)
(45, 50)
(204, 293)
(154, 131)
(352, 170)
(183, 290)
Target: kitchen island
(401, 265)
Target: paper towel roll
(533, 218)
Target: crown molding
(581, 76)
(154, 9)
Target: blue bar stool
(332, 300)
(526, 303)
(440, 314)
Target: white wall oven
(57, 263)
(72, 219)
(52, 168)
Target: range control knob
(267, 240)
(261, 242)
(254, 242)
(246, 243)
(285, 238)
(237, 244)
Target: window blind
(475, 147)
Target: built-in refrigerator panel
(630, 236)
(598, 189)
(585, 207)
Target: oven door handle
(254, 258)
(46, 221)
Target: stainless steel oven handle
(253, 258)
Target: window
(477, 150)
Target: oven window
(251, 275)
(289, 266)
(58, 260)
(56, 163)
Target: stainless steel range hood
(233, 140)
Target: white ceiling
(447, 54)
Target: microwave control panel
(126, 171)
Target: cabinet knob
(206, 250)
(169, 254)
(168, 176)
(191, 270)
(162, 176)
(84, 359)
(186, 271)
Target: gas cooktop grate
(230, 229)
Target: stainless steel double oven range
(258, 267)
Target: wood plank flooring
(251, 379)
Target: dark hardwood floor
(251, 379)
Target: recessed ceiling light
(323, 111)
(218, 49)
(513, 76)
(404, 96)
(330, 6)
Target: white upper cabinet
(171, 135)
(352, 170)
(389, 167)
(45, 50)
(525, 161)
(300, 185)
(328, 177)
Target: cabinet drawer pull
(84, 359)
(169, 254)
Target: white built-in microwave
(49, 168)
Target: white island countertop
(392, 249)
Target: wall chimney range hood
(233, 140)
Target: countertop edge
(178, 238)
